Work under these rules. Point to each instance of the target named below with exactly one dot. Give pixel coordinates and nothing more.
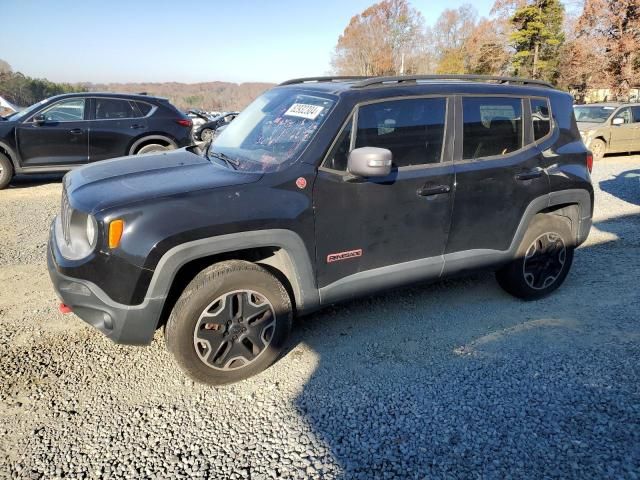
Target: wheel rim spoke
(544, 261)
(234, 330)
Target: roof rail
(481, 78)
(293, 81)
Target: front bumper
(127, 324)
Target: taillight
(589, 161)
(185, 122)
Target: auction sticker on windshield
(303, 110)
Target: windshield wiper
(231, 162)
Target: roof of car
(609, 104)
(134, 96)
(401, 85)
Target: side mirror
(39, 119)
(369, 162)
(617, 121)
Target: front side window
(492, 126)
(71, 110)
(111, 108)
(412, 129)
(624, 114)
(272, 132)
(337, 159)
(540, 117)
(635, 112)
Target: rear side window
(540, 117)
(412, 129)
(144, 108)
(492, 126)
(111, 108)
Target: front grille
(65, 217)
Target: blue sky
(181, 40)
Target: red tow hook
(65, 308)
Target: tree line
(596, 45)
(22, 90)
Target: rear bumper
(127, 324)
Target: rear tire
(231, 322)
(206, 134)
(153, 147)
(6, 171)
(543, 259)
(598, 148)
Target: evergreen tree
(537, 38)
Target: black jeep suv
(323, 190)
(68, 130)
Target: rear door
(62, 139)
(364, 224)
(634, 144)
(116, 124)
(498, 171)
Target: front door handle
(530, 174)
(76, 131)
(428, 191)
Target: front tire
(543, 259)
(6, 171)
(206, 135)
(231, 322)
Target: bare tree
(5, 67)
(614, 27)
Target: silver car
(609, 127)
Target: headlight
(92, 231)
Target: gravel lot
(451, 380)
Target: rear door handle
(76, 131)
(530, 174)
(135, 125)
(428, 191)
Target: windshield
(597, 114)
(25, 113)
(272, 132)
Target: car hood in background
(585, 126)
(125, 180)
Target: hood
(125, 180)
(586, 126)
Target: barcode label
(303, 110)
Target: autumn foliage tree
(382, 40)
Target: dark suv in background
(323, 190)
(68, 130)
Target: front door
(499, 170)
(363, 224)
(116, 124)
(62, 139)
(623, 135)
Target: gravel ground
(451, 380)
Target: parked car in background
(68, 130)
(205, 132)
(609, 127)
(198, 117)
(7, 108)
(323, 190)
